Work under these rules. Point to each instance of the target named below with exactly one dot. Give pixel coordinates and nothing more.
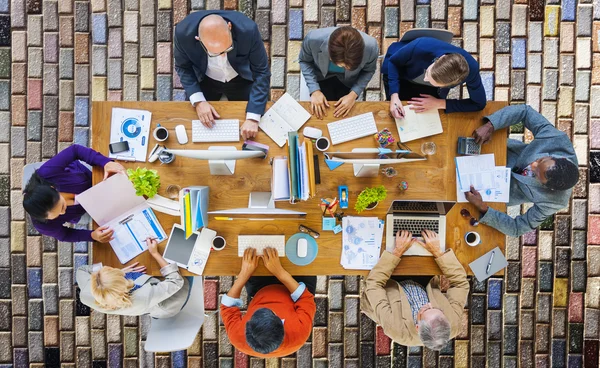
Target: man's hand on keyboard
(432, 243)
(271, 260)
(404, 240)
(318, 104)
(249, 129)
(344, 105)
(206, 113)
(249, 263)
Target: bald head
(214, 33)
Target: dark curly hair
(562, 175)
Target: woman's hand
(112, 168)
(403, 241)
(426, 102)
(134, 268)
(344, 105)
(249, 263)
(318, 104)
(103, 234)
(396, 108)
(272, 262)
(152, 246)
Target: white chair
(28, 171)
(304, 92)
(440, 34)
(178, 332)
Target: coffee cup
(161, 133)
(218, 243)
(322, 144)
(472, 238)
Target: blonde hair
(450, 69)
(111, 289)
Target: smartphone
(118, 147)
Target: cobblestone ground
(57, 56)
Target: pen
(399, 110)
(150, 239)
(489, 265)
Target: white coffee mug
(322, 144)
(474, 237)
(218, 239)
(161, 134)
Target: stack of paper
(194, 208)
(361, 242)
(301, 168)
(286, 115)
(481, 172)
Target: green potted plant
(146, 182)
(369, 198)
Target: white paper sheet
(286, 115)
(361, 242)
(280, 186)
(500, 192)
(132, 126)
(418, 125)
(475, 170)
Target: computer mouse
(302, 249)
(182, 137)
(310, 132)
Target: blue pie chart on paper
(131, 128)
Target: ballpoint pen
(399, 110)
(489, 265)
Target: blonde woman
(130, 292)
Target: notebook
(479, 265)
(418, 125)
(194, 208)
(286, 115)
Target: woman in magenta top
(49, 197)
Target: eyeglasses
(309, 231)
(466, 214)
(211, 54)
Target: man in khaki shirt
(409, 313)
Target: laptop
(415, 216)
(191, 253)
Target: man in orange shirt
(280, 312)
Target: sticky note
(328, 223)
(337, 229)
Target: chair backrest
(440, 34)
(304, 92)
(28, 171)
(178, 332)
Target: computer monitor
(366, 161)
(260, 207)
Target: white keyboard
(260, 242)
(223, 130)
(352, 128)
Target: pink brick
(163, 57)
(464, 326)
(595, 134)
(34, 94)
(241, 359)
(382, 342)
(19, 78)
(529, 262)
(114, 96)
(179, 10)
(18, 107)
(530, 238)
(576, 308)
(66, 31)
(594, 229)
(211, 294)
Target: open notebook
(418, 125)
(286, 115)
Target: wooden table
(433, 179)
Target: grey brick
(4, 95)
(4, 252)
(34, 126)
(335, 294)
(84, 357)
(49, 142)
(559, 323)
(262, 19)
(50, 293)
(146, 95)
(591, 323)
(65, 63)
(98, 60)
(67, 315)
(50, 79)
(17, 138)
(130, 88)
(34, 30)
(567, 72)
(551, 53)
(164, 88)
(18, 269)
(115, 13)
(82, 16)
(5, 126)
(130, 58)
(147, 43)
(584, 20)
(5, 315)
(163, 26)
(82, 84)
(36, 315)
(50, 117)
(578, 276)
(147, 12)
(36, 347)
(18, 293)
(114, 74)
(50, 15)
(65, 97)
(277, 72)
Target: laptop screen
(179, 248)
(414, 207)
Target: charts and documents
(481, 172)
(418, 125)
(132, 126)
(286, 115)
(113, 203)
(361, 242)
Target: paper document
(286, 115)
(475, 170)
(361, 242)
(201, 251)
(280, 182)
(418, 125)
(132, 126)
(499, 192)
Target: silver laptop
(415, 216)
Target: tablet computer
(179, 249)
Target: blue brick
(546, 275)
(178, 359)
(80, 247)
(295, 25)
(164, 87)
(477, 309)
(568, 8)
(4, 7)
(470, 12)
(495, 294)
(559, 353)
(81, 136)
(82, 113)
(179, 95)
(423, 2)
(519, 51)
(79, 260)
(34, 282)
(487, 78)
(575, 361)
(21, 357)
(99, 29)
(115, 355)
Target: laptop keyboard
(414, 206)
(416, 226)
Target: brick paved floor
(57, 56)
